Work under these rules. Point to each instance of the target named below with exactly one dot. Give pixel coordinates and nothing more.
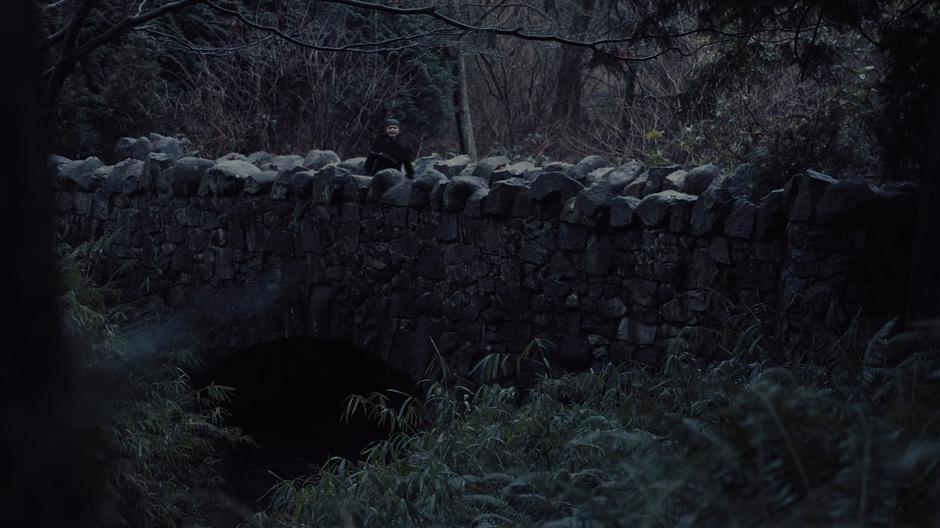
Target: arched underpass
(288, 397)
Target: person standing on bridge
(390, 152)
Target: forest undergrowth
(852, 440)
(848, 437)
(161, 441)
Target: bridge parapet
(607, 263)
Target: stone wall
(604, 262)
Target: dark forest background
(658, 86)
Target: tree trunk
(924, 291)
(66, 62)
(567, 104)
(47, 464)
(468, 144)
(629, 97)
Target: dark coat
(389, 153)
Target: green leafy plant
(160, 438)
(748, 440)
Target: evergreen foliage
(230, 88)
(99, 104)
(160, 439)
(740, 442)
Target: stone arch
(288, 396)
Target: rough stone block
(597, 176)
(698, 179)
(802, 263)
(299, 181)
(596, 259)
(640, 291)
(447, 229)
(424, 183)
(680, 215)
(655, 209)
(675, 181)
(259, 158)
(175, 147)
(811, 189)
(227, 178)
(552, 189)
(533, 252)
(702, 270)
(125, 177)
(709, 212)
(353, 165)
(514, 170)
(591, 206)
(183, 177)
(259, 184)
(79, 174)
(453, 166)
(622, 210)
(718, 250)
(135, 148)
(623, 175)
(502, 197)
(485, 167)
(317, 159)
(655, 177)
(381, 182)
(848, 204)
(572, 237)
(612, 308)
(742, 183)
(771, 216)
(740, 221)
(636, 186)
(586, 165)
(636, 332)
(357, 189)
(232, 156)
(327, 189)
(474, 206)
(458, 191)
(430, 263)
(399, 195)
(154, 165)
(280, 163)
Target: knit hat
(392, 122)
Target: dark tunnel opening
(289, 396)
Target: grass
(743, 441)
(160, 439)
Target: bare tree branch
(130, 23)
(58, 73)
(53, 39)
(186, 45)
(517, 32)
(72, 51)
(357, 47)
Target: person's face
(392, 130)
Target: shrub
(159, 437)
(740, 442)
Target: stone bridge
(606, 263)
